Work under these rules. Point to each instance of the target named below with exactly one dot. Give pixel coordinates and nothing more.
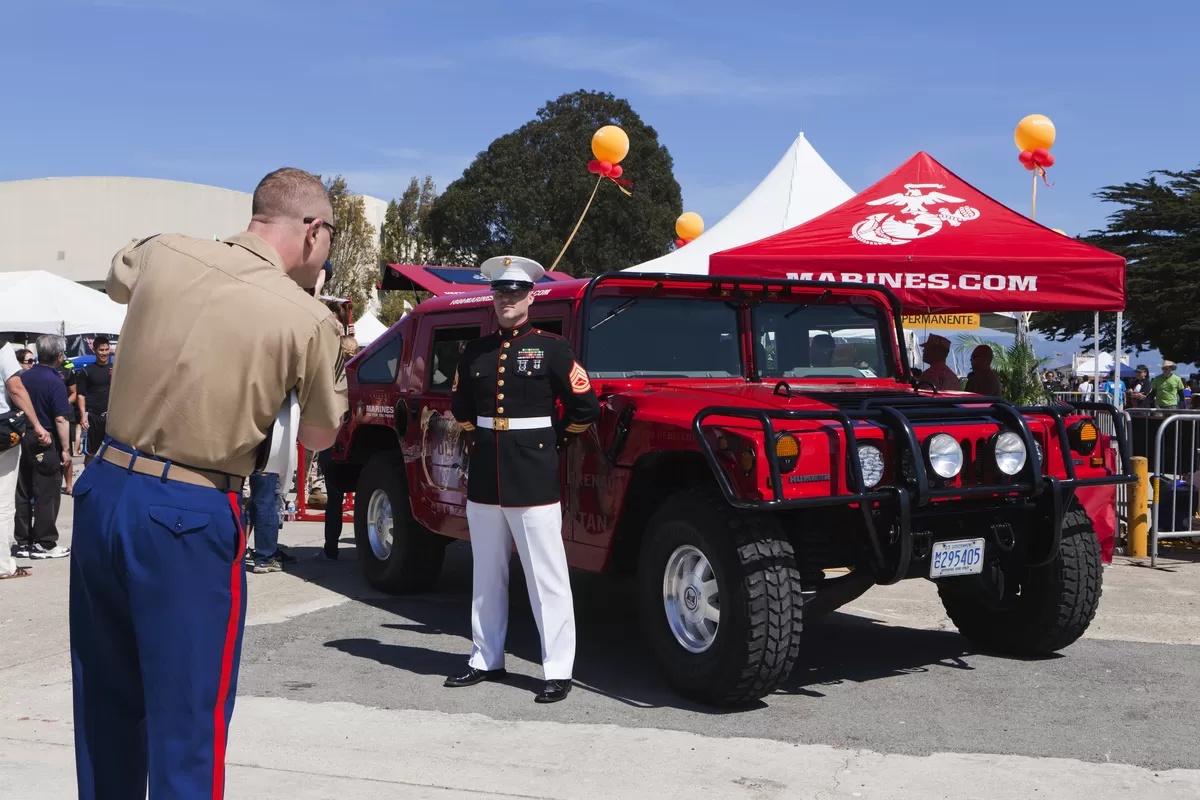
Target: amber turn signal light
(1084, 436)
(787, 451)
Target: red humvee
(764, 452)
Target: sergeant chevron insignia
(580, 383)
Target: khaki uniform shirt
(215, 337)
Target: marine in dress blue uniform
(504, 394)
(216, 335)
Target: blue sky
(222, 91)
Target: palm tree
(1017, 366)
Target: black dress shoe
(554, 691)
(474, 676)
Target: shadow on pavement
(611, 659)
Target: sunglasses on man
(329, 226)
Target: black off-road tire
(758, 634)
(415, 560)
(1057, 601)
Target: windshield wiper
(626, 305)
(818, 299)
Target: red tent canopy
(941, 245)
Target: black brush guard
(897, 415)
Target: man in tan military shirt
(217, 334)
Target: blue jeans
(264, 512)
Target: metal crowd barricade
(1175, 484)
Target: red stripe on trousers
(235, 609)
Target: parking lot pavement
(341, 697)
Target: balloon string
(577, 224)
(1033, 210)
(1042, 170)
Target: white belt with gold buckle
(515, 423)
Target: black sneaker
(284, 556)
(58, 551)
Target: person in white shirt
(934, 351)
(13, 400)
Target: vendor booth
(942, 246)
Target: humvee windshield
(834, 339)
(663, 337)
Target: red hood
(679, 404)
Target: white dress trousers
(537, 531)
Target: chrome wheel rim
(691, 599)
(379, 525)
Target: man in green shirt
(1166, 388)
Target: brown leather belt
(148, 465)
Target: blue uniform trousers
(158, 603)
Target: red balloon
(1048, 161)
(1031, 166)
(1026, 157)
(594, 166)
(679, 243)
(616, 171)
(606, 167)
(1040, 155)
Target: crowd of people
(50, 413)
(1167, 390)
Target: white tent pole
(1096, 361)
(1118, 396)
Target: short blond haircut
(290, 193)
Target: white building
(73, 226)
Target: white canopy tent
(800, 187)
(367, 329)
(41, 302)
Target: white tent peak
(367, 329)
(800, 187)
(36, 301)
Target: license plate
(963, 557)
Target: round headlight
(945, 455)
(1010, 453)
(870, 460)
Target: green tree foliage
(1017, 366)
(524, 194)
(355, 257)
(405, 237)
(391, 304)
(1157, 230)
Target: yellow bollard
(1139, 508)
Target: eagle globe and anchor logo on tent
(914, 220)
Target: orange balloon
(1033, 132)
(610, 144)
(689, 226)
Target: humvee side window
(448, 344)
(549, 325)
(663, 337)
(830, 340)
(382, 365)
